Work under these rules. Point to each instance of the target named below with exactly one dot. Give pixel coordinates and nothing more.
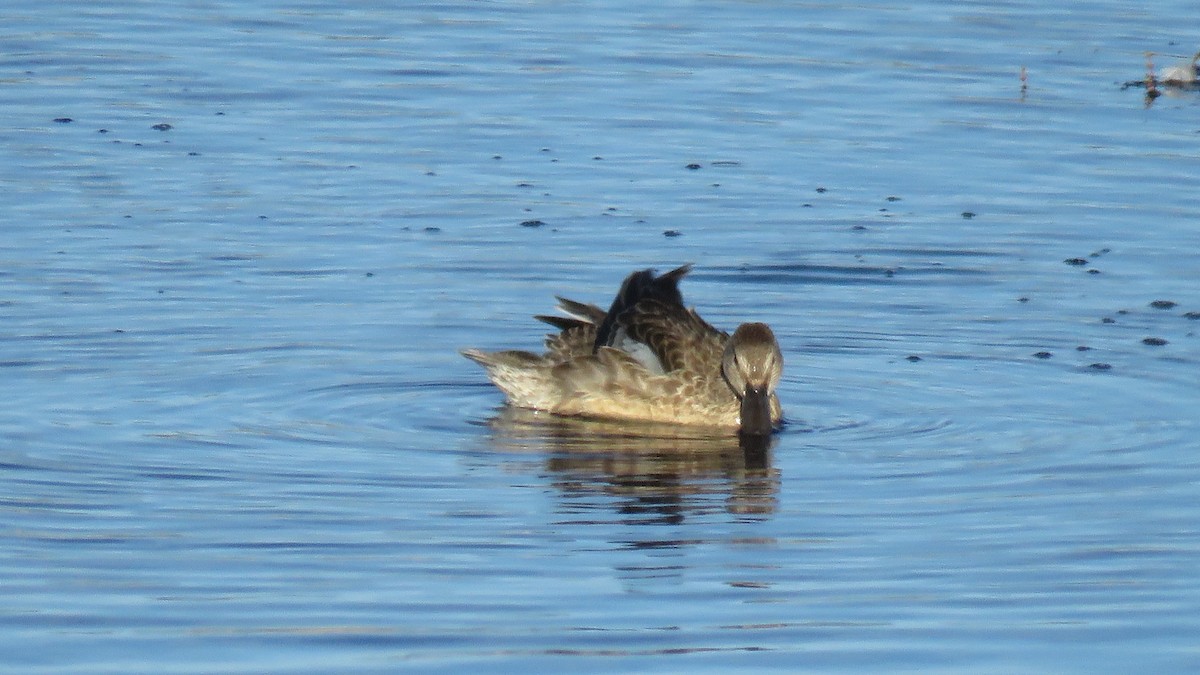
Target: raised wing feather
(636, 288)
(678, 336)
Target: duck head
(752, 365)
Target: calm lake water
(243, 242)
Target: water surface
(244, 244)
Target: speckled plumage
(648, 358)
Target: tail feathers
(523, 376)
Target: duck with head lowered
(649, 359)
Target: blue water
(238, 437)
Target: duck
(648, 358)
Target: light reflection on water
(238, 435)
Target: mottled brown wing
(573, 342)
(636, 288)
(677, 336)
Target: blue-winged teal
(648, 358)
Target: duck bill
(756, 412)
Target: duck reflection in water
(647, 473)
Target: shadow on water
(648, 474)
